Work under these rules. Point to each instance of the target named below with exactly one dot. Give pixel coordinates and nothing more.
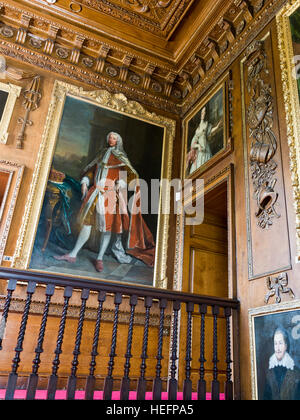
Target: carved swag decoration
(264, 143)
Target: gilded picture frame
(274, 342)
(107, 104)
(14, 179)
(207, 130)
(12, 92)
(289, 62)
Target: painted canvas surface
(81, 148)
(295, 31)
(205, 137)
(277, 353)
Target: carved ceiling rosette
(263, 140)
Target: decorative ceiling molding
(59, 46)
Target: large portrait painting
(275, 351)
(207, 131)
(98, 219)
(288, 28)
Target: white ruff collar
(286, 362)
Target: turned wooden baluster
(172, 383)
(187, 385)
(157, 384)
(52, 384)
(215, 390)
(142, 383)
(108, 384)
(202, 382)
(33, 379)
(228, 383)
(13, 376)
(71, 388)
(90, 382)
(10, 289)
(125, 385)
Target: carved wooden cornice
(55, 310)
(84, 55)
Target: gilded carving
(7, 31)
(263, 140)
(276, 286)
(226, 40)
(16, 172)
(32, 97)
(37, 308)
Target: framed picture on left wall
(275, 351)
(10, 180)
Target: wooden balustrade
(184, 307)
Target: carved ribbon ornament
(264, 143)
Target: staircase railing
(182, 309)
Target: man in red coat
(104, 208)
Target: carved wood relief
(266, 219)
(228, 37)
(169, 83)
(32, 97)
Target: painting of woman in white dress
(205, 133)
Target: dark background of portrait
(265, 327)
(214, 112)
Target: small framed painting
(275, 351)
(8, 96)
(207, 131)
